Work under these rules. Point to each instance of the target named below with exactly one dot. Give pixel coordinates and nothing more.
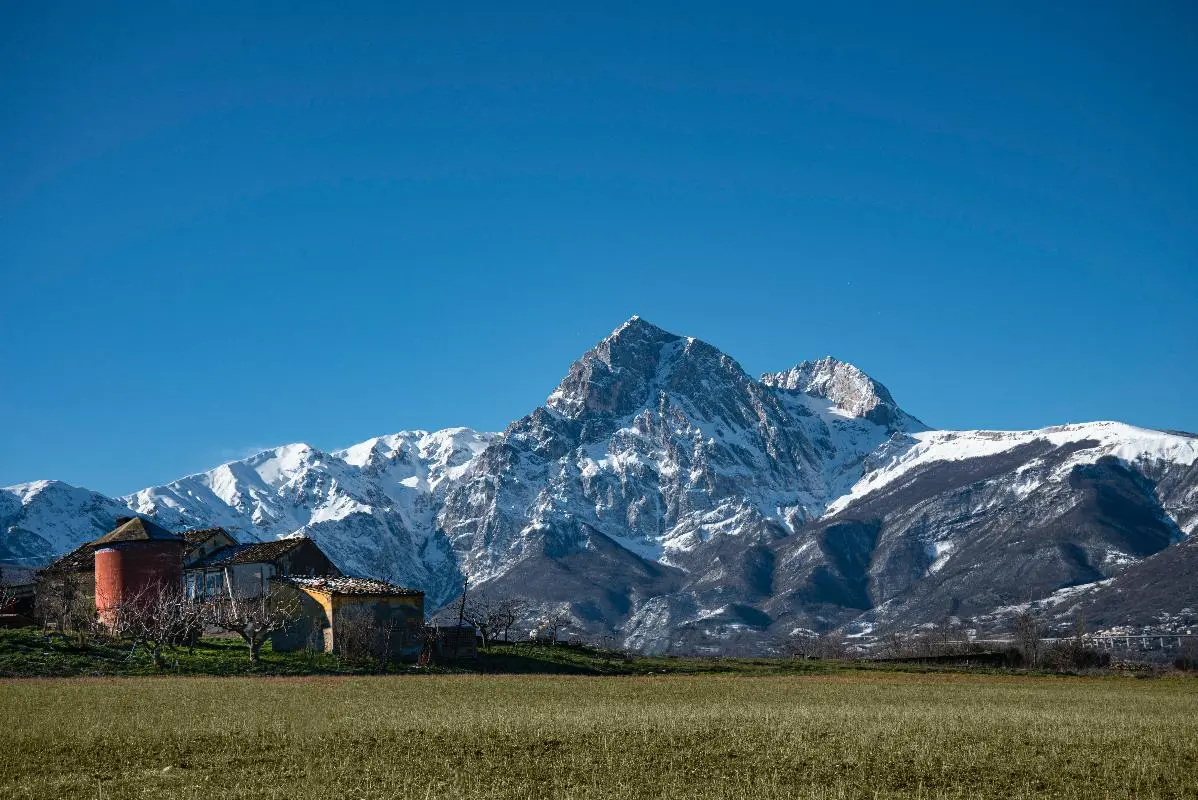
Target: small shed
(342, 614)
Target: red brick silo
(134, 560)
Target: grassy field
(26, 653)
(839, 734)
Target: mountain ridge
(663, 496)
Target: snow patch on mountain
(1127, 443)
(42, 519)
(850, 391)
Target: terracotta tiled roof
(198, 537)
(81, 559)
(257, 553)
(351, 586)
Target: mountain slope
(664, 497)
(43, 519)
(808, 500)
(370, 507)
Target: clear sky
(223, 229)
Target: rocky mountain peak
(631, 368)
(616, 374)
(841, 383)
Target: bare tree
(511, 610)
(61, 600)
(8, 593)
(254, 619)
(801, 644)
(492, 615)
(809, 644)
(894, 645)
(551, 622)
(157, 618)
(832, 646)
(1029, 637)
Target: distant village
(158, 588)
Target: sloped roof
(16, 576)
(351, 586)
(81, 559)
(201, 535)
(256, 553)
(137, 530)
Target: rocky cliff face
(667, 499)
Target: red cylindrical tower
(130, 571)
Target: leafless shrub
(360, 637)
(427, 636)
(314, 642)
(1075, 653)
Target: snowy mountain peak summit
(631, 368)
(846, 387)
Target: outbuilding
(339, 614)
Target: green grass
(576, 723)
(849, 734)
(28, 653)
(25, 652)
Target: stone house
(216, 567)
(335, 609)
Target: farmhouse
(79, 565)
(136, 558)
(245, 570)
(336, 613)
(213, 562)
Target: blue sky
(223, 229)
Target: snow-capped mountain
(667, 498)
(370, 507)
(43, 519)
